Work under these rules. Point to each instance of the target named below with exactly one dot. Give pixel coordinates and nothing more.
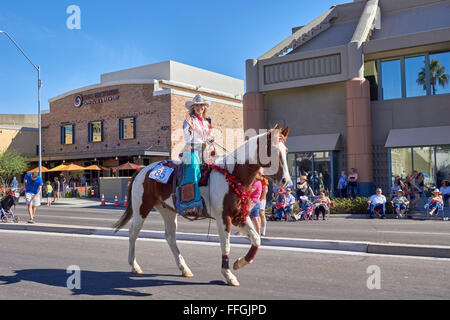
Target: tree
(437, 75)
(11, 164)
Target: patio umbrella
(128, 166)
(72, 167)
(44, 169)
(58, 168)
(93, 167)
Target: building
(365, 85)
(135, 115)
(18, 132)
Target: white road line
(291, 249)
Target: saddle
(185, 193)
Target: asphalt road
(33, 266)
(336, 228)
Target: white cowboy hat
(198, 99)
(304, 198)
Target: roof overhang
(314, 143)
(418, 137)
(93, 155)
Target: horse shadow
(96, 283)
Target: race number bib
(161, 173)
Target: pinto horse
(222, 201)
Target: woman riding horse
(197, 132)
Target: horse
(225, 202)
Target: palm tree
(437, 75)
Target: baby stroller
(6, 211)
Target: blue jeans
(352, 190)
(380, 206)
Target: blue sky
(214, 35)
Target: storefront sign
(94, 98)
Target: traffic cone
(125, 202)
(116, 201)
(103, 200)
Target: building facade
(135, 115)
(365, 85)
(19, 133)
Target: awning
(418, 137)
(314, 143)
(112, 154)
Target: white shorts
(262, 205)
(36, 202)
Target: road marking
(215, 244)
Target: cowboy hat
(400, 190)
(198, 99)
(436, 191)
(304, 198)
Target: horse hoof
(188, 274)
(136, 271)
(234, 283)
(239, 263)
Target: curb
(336, 245)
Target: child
(49, 189)
(400, 203)
(321, 205)
(435, 202)
(279, 205)
(290, 201)
(305, 207)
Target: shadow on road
(97, 283)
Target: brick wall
(151, 113)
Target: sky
(214, 35)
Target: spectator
(263, 204)
(279, 205)
(33, 190)
(56, 188)
(377, 203)
(416, 189)
(342, 185)
(395, 188)
(408, 191)
(321, 205)
(62, 183)
(435, 203)
(256, 201)
(49, 190)
(400, 203)
(303, 188)
(14, 184)
(353, 183)
(445, 190)
(305, 209)
(290, 201)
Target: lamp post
(38, 68)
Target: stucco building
(365, 85)
(18, 132)
(135, 115)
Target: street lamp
(38, 68)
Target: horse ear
(277, 126)
(285, 132)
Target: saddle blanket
(162, 173)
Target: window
(439, 73)
(423, 161)
(127, 128)
(68, 134)
(391, 79)
(371, 74)
(401, 162)
(415, 77)
(96, 131)
(442, 164)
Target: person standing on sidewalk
(33, 190)
(256, 201)
(353, 183)
(263, 203)
(49, 191)
(56, 188)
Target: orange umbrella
(72, 167)
(58, 168)
(93, 167)
(44, 169)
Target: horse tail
(128, 214)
